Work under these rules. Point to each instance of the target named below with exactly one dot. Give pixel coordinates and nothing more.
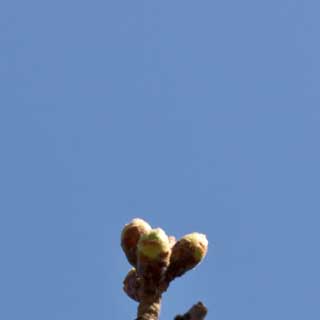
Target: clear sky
(194, 115)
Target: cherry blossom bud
(153, 253)
(189, 251)
(130, 236)
(131, 284)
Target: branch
(197, 312)
(149, 308)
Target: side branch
(197, 312)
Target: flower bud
(187, 253)
(130, 236)
(153, 253)
(131, 284)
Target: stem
(149, 308)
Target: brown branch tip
(157, 260)
(197, 312)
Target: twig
(197, 312)
(149, 309)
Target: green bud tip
(199, 244)
(154, 244)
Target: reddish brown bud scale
(131, 284)
(130, 236)
(187, 253)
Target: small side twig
(197, 312)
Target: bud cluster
(157, 257)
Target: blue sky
(194, 115)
